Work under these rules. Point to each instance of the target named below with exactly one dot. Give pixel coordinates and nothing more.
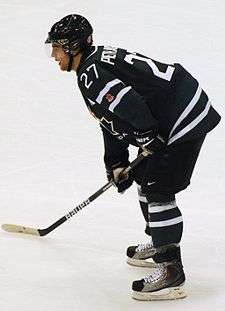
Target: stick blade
(20, 229)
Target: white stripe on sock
(142, 199)
(161, 208)
(166, 223)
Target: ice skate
(165, 283)
(141, 255)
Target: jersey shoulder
(104, 56)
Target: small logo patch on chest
(109, 97)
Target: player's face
(60, 56)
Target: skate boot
(165, 283)
(141, 255)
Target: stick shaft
(74, 211)
(59, 222)
(94, 196)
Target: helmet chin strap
(70, 63)
(71, 58)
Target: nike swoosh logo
(151, 183)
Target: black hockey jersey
(128, 91)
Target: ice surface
(49, 163)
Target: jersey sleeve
(116, 152)
(101, 87)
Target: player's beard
(63, 63)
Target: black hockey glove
(120, 179)
(149, 140)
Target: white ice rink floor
(51, 160)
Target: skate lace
(142, 247)
(156, 275)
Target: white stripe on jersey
(191, 125)
(118, 98)
(105, 90)
(91, 102)
(187, 109)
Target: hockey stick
(42, 232)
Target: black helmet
(71, 32)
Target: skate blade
(146, 263)
(163, 294)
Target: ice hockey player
(151, 105)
